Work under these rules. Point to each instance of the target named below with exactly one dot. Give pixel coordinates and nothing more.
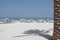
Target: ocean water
(28, 19)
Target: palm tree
(56, 33)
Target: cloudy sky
(26, 8)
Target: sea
(28, 19)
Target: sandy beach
(15, 31)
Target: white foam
(6, 20)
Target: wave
(7, 20)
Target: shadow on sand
(36, 32)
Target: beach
(15, 31)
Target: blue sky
(26, 8)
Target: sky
(26, 9)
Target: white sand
(7, 31)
